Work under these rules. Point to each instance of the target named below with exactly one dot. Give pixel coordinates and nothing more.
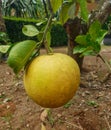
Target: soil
(90, 108)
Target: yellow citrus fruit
(52, 80)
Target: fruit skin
(52, 80)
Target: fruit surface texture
(52, 80)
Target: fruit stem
(48, 48)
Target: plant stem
(105, 61)
(47, 27)
(108, 66)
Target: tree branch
(102, 14)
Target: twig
(105, 61)
(49, 21)
(43, 41)
(47, 26)
(107, 122)
(106, 77)
(108, 66)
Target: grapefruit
(52, 80)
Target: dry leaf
(44, 115)
(43, 126)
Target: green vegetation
(82, 34)
(14, 29)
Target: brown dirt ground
(90, 108)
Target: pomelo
(52, 80)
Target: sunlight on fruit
(52, 80)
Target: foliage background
(14, 31)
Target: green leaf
(84, 50)
(87, 53)
(64, 12)
(41, 22)
(71, 11)
(83, 9)
(81, 39)
(56, 4)
(30, 30)
(20, 54)
(101, 36)
(96, 32)
(89, 44)
(4, 48)
(96, 47)
(79, 49)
